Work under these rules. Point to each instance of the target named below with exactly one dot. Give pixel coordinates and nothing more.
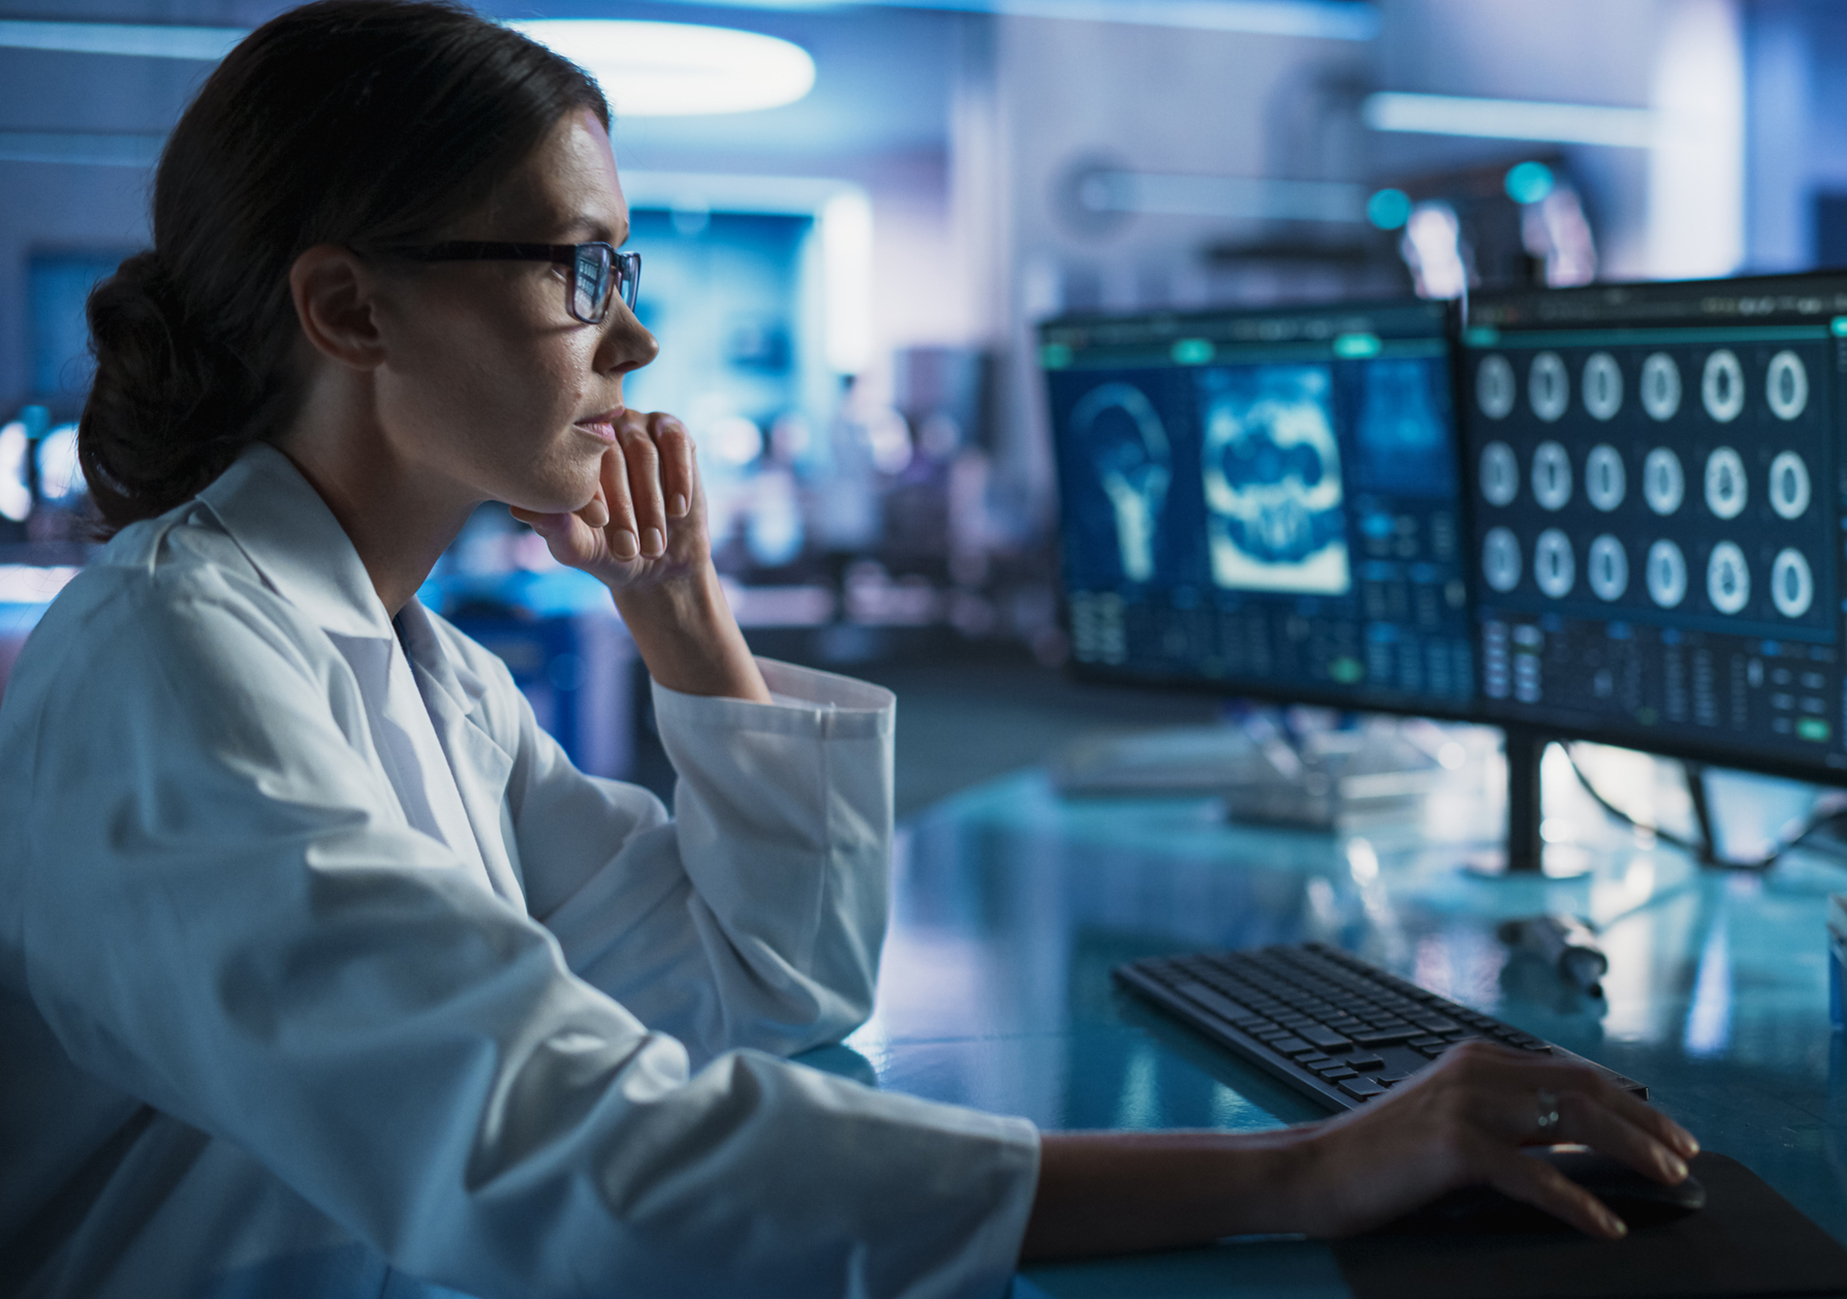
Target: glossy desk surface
(1012, 905)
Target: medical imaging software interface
(1265, 501)
(1657, 512)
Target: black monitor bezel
(1457, 321)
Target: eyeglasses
(598, 271)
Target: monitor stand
(1524, 856)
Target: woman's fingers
(1592, 1111)
(676, 461)
(1522, 1177)
(642, 462)
(622, 536)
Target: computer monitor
(1657, 515)
(1265, 503)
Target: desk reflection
(1012, 906)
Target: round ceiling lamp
(678, 69)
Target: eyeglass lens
(599, 273)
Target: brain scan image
(1548, 387)
(1272, 476)
(1787, 385)
(1728, 578)
(1129, 450)
(1667, 574)
(1603, 386)
(1609, 568)
(1660, 386)
(1789, 485)
(1792, 585)
(1722, 386)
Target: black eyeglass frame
(591, 265)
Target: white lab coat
(322, 969)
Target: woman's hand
(1463, 1122)
(644, 536)
(646, 524)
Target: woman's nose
(627, 345)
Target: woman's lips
(601, 426)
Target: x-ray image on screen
(1271, 469)
(1128, 447)
(1403, 435)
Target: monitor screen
(1265, 503)
(1657, 514)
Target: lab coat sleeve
(756, 916)
(221, 917)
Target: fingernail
(625, 545)
(1675, 1168)
(653, 543)
(677, 506)
(1689, 1144)
(1615, 1225)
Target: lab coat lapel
(294, 541)
(482, 768)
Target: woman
(323, 972)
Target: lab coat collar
(286, 530)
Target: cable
(1706, 853)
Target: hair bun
(154, 377)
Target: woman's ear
(335, 296)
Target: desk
(1012, 905)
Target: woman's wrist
(1102, 1193)
(688, 637)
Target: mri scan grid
(1652, 547)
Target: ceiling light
(1513, 119)
(678, 69)
(206, 44)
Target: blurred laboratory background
(852, 215)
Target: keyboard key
(1435, 1023)
(1366, 1064)
(1386, 1036)
(1334, 1073)
(1325, 1038)
(1291, 1046)
(1421, 1042)
(1315, 1061)
(1363, 1089)
(1391, 1079)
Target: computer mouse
(1637, 1199)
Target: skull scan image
(1129, 450)
(1272, 480)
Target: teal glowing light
(1193, 351)
(1528, 182)
(1389, 209)
(1356, 347)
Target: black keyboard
(1323, 1021)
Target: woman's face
(490, 382)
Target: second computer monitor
(1658, 514)
(1265, 502)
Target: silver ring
(1548, 1113)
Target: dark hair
(353, 122)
